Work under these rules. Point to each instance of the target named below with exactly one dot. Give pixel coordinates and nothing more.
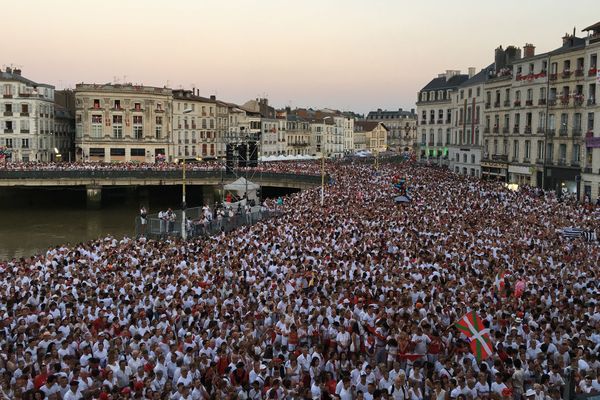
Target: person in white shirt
(73, 393)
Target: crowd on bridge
(355, 299)
(294, 167)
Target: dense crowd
(353, 300)
(304, 167)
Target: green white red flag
(472, 326)
(499, 281)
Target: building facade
(375, 134)
(402, 127)
(27, 118)
(590, 179)
(434, 110)
(116, 123)
(194, 126)
(298, 136)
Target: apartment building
(194, 125)
(27, 118)
(434, 110)
(464, 149)
(375, 135)
(298, 136)
(402, 127)
(590, 179)
(126, 122)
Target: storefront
(494, 171)
(519, 175)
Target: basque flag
(472, 326)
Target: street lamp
(183, 205)
(323, 162)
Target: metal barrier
(157, 228)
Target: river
(31, 220)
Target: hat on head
(529, 393)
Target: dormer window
(96, 104)
(137, 107)
(117, 104)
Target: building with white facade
(26, 117)
(434, 110)
(194, 125)
(402, 127)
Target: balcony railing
(8, 131)
(539, 160)
(527, 129)
(540, 130)
(529, 102)
(592, 71)
(589, 133)
(526, 160)
(591, 102)
(440, 121)
(551, 132)
(542, 102)
(506, 103)
(553, 77)
(576, 131)
(587, 170)
(7, 96)
(500, 157)
(486, 130)
(506, 129)
(24, 130)
(563, 131)
(423, 122)
(495, 129)
(430, 144)
(564, 100)
(488, 106)
(516, 129)
(579, 72)
(562, 161)
(497, 104)
(8, 113)
(566, 74)
(578, 99)
(517, 103)
(552, 102)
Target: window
(527, 149)
(137, 152)
(478, 91)
(540, 149)
(25, 143)
(117, 126)
(515, 149)
(117, 104)
(138, 129)
(203, 123)
(158, 106)
(576, 154)
(24, 109)
(8, 90)
(117, 152)
(472, 158)
(590, 121)
(96, 152)
(9, 143)
(562, 153)
(96, 126)
(158, 131)
(137, 107)
(96, 104)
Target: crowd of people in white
(355, 299)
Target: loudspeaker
(253, 154)
(229, 160)
(242, 155)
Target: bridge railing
(152, 174)
(156, 228)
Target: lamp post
(183, 205)
(323, 162)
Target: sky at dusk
(345, 54)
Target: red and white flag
(472, 326)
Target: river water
(31, 220)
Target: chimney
(528, 50)
(400, 110)
(213, 97)
(412, 110)
(8, 70)
(17, 71)
(471, 72)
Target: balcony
(592, 71)
(552, 102)
(431, 122)
(423, 123)
(539, 160)
(528, 129)
(506, 103)
(8, 131)
(575, 163)
(430, 144)
(488, 106)
(193, 126)
(591, 102)
(299, 144)
(589, 133)
(526, 161)
(499, 157)
(563, 131)
(576, 131)
(541, 102)
(8, 113)
(7, 96)
(561, 161)
(540, 130)
(448, 121)
(25, 114)
(506, 129)
(529, 103)
(551, 132)
(440, 121)
(517, 103)
(497, 104)
(486, 130)
(578, 99)
(495, 129)
(516, 129)
(566, 74)
(564, 100)
(588, 170)
(24, 131)
(553, 77)
(439, 144)
(579, 72)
